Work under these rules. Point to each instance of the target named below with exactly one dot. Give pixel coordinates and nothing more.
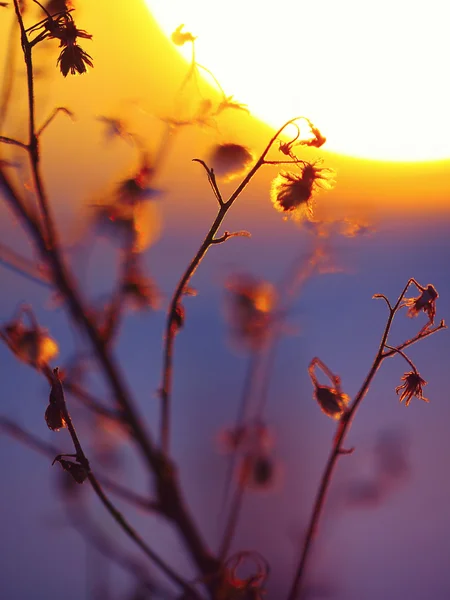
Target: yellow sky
(137, 72)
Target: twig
(45, 241)
(58, 395)
(55, 112)
(25, 267)
(49, 450)
(171, 329)
(336, 450)
(13, 142)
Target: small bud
(54, 418)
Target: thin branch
(227, 235)
(25, 267)
(50, 451)
(91, 402)
(173, 313)
(13, 142)
(242, 414)
(211, 179)
(383, 297)
(416, 339)
(337, 450)
(57, 394)
(408, 360)
(84, 524)
(168, 485)
(49, 120)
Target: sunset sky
(372, 544)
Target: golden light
(371, 75)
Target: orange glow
(370, 76)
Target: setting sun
(370, 75)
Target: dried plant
(258, 314)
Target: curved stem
(171, 328)
(45, 239)
(337, 450)
(58, 394)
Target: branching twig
(50, 451)
(336, 450)
(171, 328)
(58, 395)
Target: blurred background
(385, 532)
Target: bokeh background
(376, 540)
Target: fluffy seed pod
(230, 160)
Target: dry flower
(292, 193)
(54, 417)
(179, 37)
(74, 59)
(412, 386)
(251, 303)
(32, 344)
(426, 302)
(257, 471)
(230, 160)
(332, 401)
(140, 290)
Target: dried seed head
(292, 193)
(54, 417)
(250, 306)
(32, 345)
(331, 400)
(412, 386)
(179, 37)
(257, 471)
(426, 302)
(230, 160)
(140, 291)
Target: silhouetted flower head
(65, 30)
(179, 37)
(426, 302)
(140, 290)
(251, 303)
(136, 189)
(74, 59)
(292, 193)
(54, 417)
(332, 401)
(31, 344)
(230, 160)
(412, 386)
